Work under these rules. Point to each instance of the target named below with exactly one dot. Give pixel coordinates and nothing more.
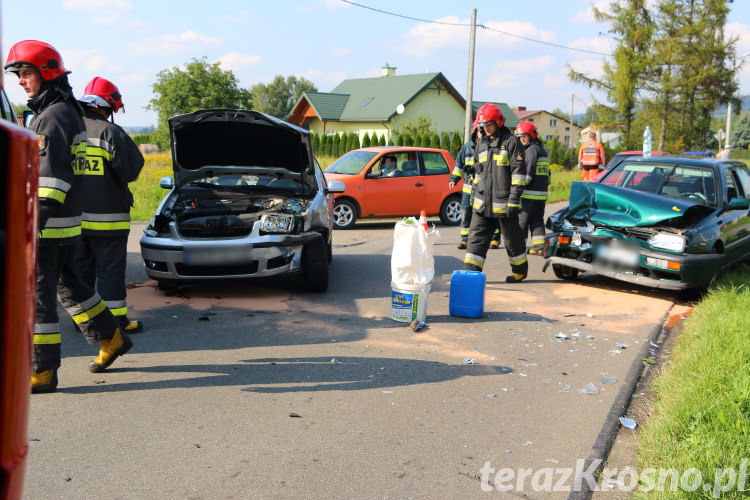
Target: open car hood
(619, 207)
(232, 141)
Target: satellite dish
(400, 109)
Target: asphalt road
(238, 390)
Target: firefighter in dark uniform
(61, 135)
(464, 169)
(112, 161)
(499, 182)
(534, 197)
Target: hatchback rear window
(434, 163)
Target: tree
(435, 140)
(315, 139)
(326, 143)
(381, 142)
(445, 141)
(366, 141)
(422, 125)
(632, 27)
(741, 132)
(353, 141)
(335, 147)
(19, 108)
(555, 156)
(456, 143)
(400, 140)
(278, 97)
(200, 85)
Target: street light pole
(470, 83)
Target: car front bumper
(175, 258)
(695, 270)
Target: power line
(521, 37)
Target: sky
(327, 41)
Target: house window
(531, 120)
(567, 138)
(547, 137)
(366, 102)
(553, 123)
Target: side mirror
(166, 183)
(27, 116)
(375, 172)
(335, 187)
(739, 203)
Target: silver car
(248, 200)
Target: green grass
(560, 180)
(701, 417)
(146, 191)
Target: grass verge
(560, 181)
(701, 416)
(146, 191)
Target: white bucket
(409, 302)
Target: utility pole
(470, 82)
(729, 115)
(570, 137)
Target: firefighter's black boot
(515, 278)
(462, 244)
(109, 351)
(43, 382)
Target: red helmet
(474, 126)
(42, 56)
(103, 88)
(527, 127)
(490, 113)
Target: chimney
(520, 108)
(388, 71)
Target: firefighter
(112, 161)
(534, 197)
(591, 158)
(61, 135)
(498, 183)
(464, 169)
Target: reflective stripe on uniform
(476, 180)
(91, 313)
(534, 195)
(517, 260)
(117, 307)
(478, 203)
(466, 188)
(538, 241)
(501, 159)
(469, 161)
(474, 259)
(46, 328)
(47, 338)
(62, 227)
(464, 232)
(499, 208)
(514, 205)
(52, 194)
(55, 183)
(518, 180)
(101, 143)
(106, 222)
(457, 172)
(84, 306)
(103, 153)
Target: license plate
(215, 256)
(619, 254)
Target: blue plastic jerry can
(467, 294)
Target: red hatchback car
(394, 181)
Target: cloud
(132, 78)
(237, 60)
(323, 5)
(103, 11)
(246, 16)
(742, 32)
(324, 79)
(80, 60)
(341, 52)
(589, 67)
(173, 44)
(586, 16)
(510, 74)
(596, 44)
(371, 73)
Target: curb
(607, 434)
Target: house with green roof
(379, 105)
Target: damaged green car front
(649, 223)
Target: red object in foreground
(19, 180)
(423, 220)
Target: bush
(315, 143)
(326, 146)
(408, 140)
(366, 141)
(353, 141)
(456, 143)
(435, 141)
(142, 139)
(336, 143)
(381, 142)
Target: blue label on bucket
(404, 305)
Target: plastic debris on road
(417, 325)
(561, 336)
(608, 380)
(590, 388)
(628, 422)
(468, 361)
(622, 346)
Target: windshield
(246, 181)
(679, 182)
(351, 163)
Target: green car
(669, 223)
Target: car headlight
(276, 223)
(667, 241)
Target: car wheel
(564, 272)
(315, 266)
(344, 214)
(450, 212)
(329, 251)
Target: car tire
(564, 272)
(450, 212)
(344, 214)
(315, 266)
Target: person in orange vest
(591, 157)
